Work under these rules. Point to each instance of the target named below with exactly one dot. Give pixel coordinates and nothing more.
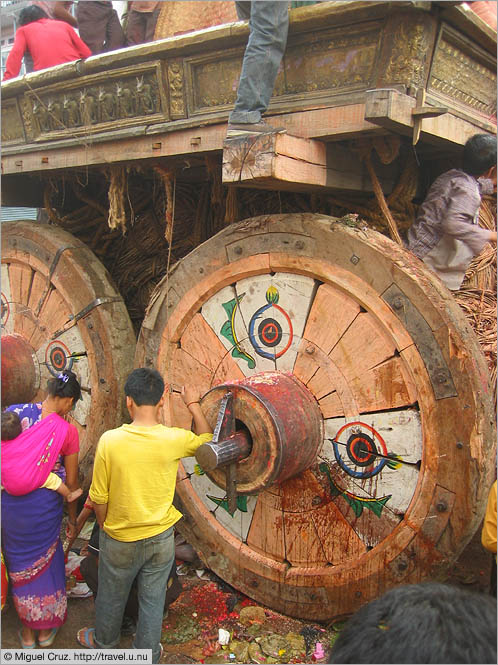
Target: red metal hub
(280, 424)
(19, 375)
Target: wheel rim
(327, 540)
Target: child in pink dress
(11, 430)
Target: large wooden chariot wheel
(361, 411)
(60, 311)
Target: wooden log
(285, 162)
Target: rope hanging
(166, 176)
(117, 214)
(387, 154)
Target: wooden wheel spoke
(266, 534)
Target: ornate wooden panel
(463, 73)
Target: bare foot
(72, 496)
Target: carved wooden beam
(400, 113)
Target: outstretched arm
(191, 396)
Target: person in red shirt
(50, 42)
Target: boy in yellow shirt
(133, 485)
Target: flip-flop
(50, 639)
(83, 637)
(24, 644)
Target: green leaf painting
(357, 503)
(223, 503)
(228, 331)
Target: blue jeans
(149, 560)
(268, 26)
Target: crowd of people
(131, 494)
(46, 33)
(130, 565)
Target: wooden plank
(20, 277)
(7, 316)
(339, 540)
(301, 493)
(227, 370)
(55, 312)
(338, 122)
(363, 346)
(200, 341)
(266, 534)
(281, 161)
(185, 370)
(303, 546)
(292, 295)
(332, 313)
(382, 387)
(392, 110)
(401, 433)
(305, 366)
(331, 405)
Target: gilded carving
(26, 117)
(71, 113)
(145, 97)
(325, 63)
(176, 94)
(12, 129)
(459, 76)
(407, 62)
(109, 99)
(106, 105)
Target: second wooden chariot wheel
(61, 311)
(360, 406)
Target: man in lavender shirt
(446, 235)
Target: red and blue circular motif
(274, 333)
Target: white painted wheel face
(368, 465)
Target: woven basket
(177, 18)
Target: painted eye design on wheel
(58, 357)
(270, 328)
(4, 310)
(361, 452)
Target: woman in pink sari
(31, 523)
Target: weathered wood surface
(287, 162)
(61, 301)
(338, 534)
(132, 101)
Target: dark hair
(31, 14)
(145, 386)
(11, 425)
(479, 154)
(65, 385)
(420, 623)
